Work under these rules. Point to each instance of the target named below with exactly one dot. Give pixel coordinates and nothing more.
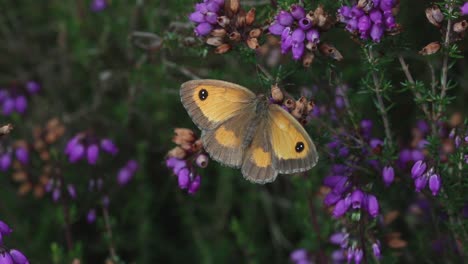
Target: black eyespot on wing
(299, 147)
(203, 94)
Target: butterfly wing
(292, 149)
(213, 102)
(258, 161)
(227, 142)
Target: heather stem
(111, 246)
(68, 233)
(443, 79)
(378, 93)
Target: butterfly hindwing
(212, 102)
(292, 149)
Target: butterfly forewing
(212, 102)
(292, 149)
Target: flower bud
(235, 36)
(252, 43)
(250, 17)
(276, 93)
(434, 15)
(460, 27)
(308, 58)
(430, 48)
(233, 6)
(223, 21)
(214, 41)
(418, 169)
(284, 18)
(255, 33)
(202, 160)
(330, 51)
(297, 11)
(434, 183)
(218, 32)
(222, 48)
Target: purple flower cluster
(16, 99)
(300, 256)
(54, 186)
(371, 20)
(86, 146)
(9, 256)
(348, 249)
(297, 31)
(6, 159)
(98, 5)
(185, 176)
(422, 175)
(126, 173)
(206, 16)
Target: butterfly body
(242, 130)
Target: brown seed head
(460, 27)
(290, 103)
(177, 152)
(434, 15)
(214, 41)
(276, 93)
(250, 17)
(308, 59)
(430, 48)
(235, 36)
(223, 21)
(330, 51)
(255, 33)
(222, 48)
(218, 32)
(252, 43)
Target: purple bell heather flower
(376, 3)
(197, 17)
(376, 16)
(202, 160)
(91, 217)
(276, 29)
(98, 5)
(405, 156)
(388, 175)
(376, 32)
(108, 146)
(341, 185)
(105, 201)
(372, 205)
(305, 23)
(466, 139)
(18, 257)
(71, 144)
(5, 230)
(175, 164)
(132, 165)
(8, 106)
(357, 198)
(332, 180)
(124, 176)
(194, 185)
(352, 25)
(350, 254)
(375, 142)
(345, 11)
(464, 9)
(358, 254)
(5, 258)
(313, 35)
(387, 5)
(390, 21)
(434, 184)
(339, 238)
(298, 36)
(376, 249)
(356, 12)
(92, 154)
(338, 256)
(452, 134)
(366, 126)
(201, 7)
(71, 191)
(343, 152)
(56, 194)
(286, 33)
(297, 11)
(211, 18)
(417, 154)
(420, 183)
(422, 144)
(3, 95)
(331, 198)
(286, 44)
(285, 18)
(341, 208)
(298, 50)
(299, 254)
(183, 178)
(203, 29)
(5, 162)
(76, 153)
(33, 87)
(22, 155)
(21, 104)
(49, 185)
(422, 126)
(364, 23)
(457, 141)
(418, 169)
(339, 102)
(212, 6)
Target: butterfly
(247, 131)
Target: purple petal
(5, 162)
(197, 17)
(108, 146)
(33, 87)
(8, 106)
(434, 184)
(76, 153)
(92, 154)
(22, 155)
(21, 104)
(18, 257)
(183, 178)
(203, 29)
(276, 29)
(372, 205)
(297, 11)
